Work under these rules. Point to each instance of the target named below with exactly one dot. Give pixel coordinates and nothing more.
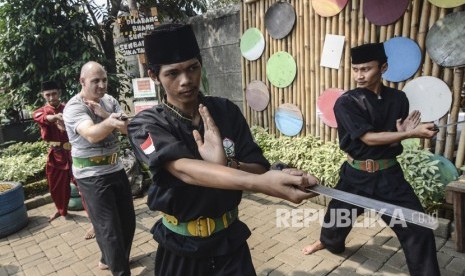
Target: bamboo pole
(433, 69)
(328, 82)
(322, 70)
(317, 66)
(346, 62)
(307, 73)
(354, 33)
(453, 80)
(421, 36)
(414, 19)
(406, 32)
(264, 58)
(459, 78)
(260, 68)
(361, 25)
(253, 69)
(312, 81)
(273, 89)
(245, 70)
(302, 70)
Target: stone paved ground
(58, 248)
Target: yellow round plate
(447, 3)
(328, 7)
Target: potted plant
(13, 212)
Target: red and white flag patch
(148, 147)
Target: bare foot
(102, 266)
(309, 249)
(90, 234)
(54, 216)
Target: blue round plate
(404, 58)
(288, 119)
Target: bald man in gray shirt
(93, 123)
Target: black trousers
(111, 210)
(417, 242)
(238, 263)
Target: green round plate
(447, 172)
(281, 69)
(252, 44)
(447, 3)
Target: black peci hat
(171, 43)
(368, 52)
(49, 85)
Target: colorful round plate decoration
(257, 95)
(288, 119)
(429, 95)
(325, 105)
(447, 173)
(279, 19)
(384, 12)
(445, 41)
(447, 3)
(328, 7)
(447, 170)
(281, 69)
(404, 58)
(252, 44)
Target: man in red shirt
(58, 168)
(52, 130)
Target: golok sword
(436, 127)
(383, 208)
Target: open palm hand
(210, 146)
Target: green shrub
(307, 153)
(23, 162)
(422, 173)
(323, 160)
(34, 149)
(36, 188)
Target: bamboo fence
(305, 44)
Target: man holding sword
(372, 121)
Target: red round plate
(325, 105)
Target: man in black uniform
(201, 155)
(372, 121)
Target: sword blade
(449, 124)
(380, 207)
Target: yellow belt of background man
(65, 145)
